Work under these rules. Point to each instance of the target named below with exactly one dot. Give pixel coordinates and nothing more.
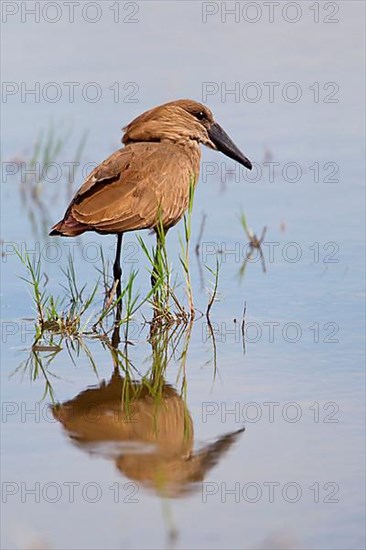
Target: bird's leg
(116, 339)
(117, 271)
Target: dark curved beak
(225, 144)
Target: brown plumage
(149, 179)
(125, 191)
(150, 438)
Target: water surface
(295, 476)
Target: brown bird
(150, 437)
(147, 182)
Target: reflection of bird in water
(148, 434)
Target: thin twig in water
(243, 326)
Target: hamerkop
(150, 437)
(147, 182)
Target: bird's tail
(68, 227)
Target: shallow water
(294, 478)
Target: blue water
(299, 387)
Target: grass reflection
(135, 418)
(143, 424)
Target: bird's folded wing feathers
(127, 190)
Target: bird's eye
(201, 115)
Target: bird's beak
(224, 143)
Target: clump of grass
(167, 306)
(184, 257)
(58, 315)
(128, 303)
(160, 269)
(162, 296)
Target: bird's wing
(129, 189)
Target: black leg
(116, 339)
(117, 271)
